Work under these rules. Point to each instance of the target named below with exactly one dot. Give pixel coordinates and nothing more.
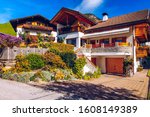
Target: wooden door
(114, 65)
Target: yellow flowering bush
(22, 64)
(59, 75)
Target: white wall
(19, 31)
(54, 34)
(86, 69)
(76, 35)
(100, 61)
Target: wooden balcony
(141, 53)
(141, 32)
(69, 29)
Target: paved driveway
(105, 88)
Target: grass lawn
(6, 28)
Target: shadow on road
(88, 91)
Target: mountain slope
(93, 17)
(6, 28)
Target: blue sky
(10, 9)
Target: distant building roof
(15, 22)
(127, 19)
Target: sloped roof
(139, 16)
(74, 13)
(15, 22)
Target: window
(83, 42)
(119, 39)
(71, 41)
(92, 41)
(105, 41)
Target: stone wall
(11, 53)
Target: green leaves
(78, 67)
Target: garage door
(114, 65)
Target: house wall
(35, 32)
(128, 35)
(100, 61)
(76, 35)
(54, 34)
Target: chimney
(105, 17)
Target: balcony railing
(122, 48)
(122, 44)
(109, 45)
(125, 50)
(69, 29)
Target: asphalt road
(10, 90)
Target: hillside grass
(7, 28)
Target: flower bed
(9, 41)
(40, 75)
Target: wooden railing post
(102, 45)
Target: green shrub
(36, 61)
(44, 44)
(148, 74)
(78, 67)
(60, 40)
(86, 77)
(90, 75)
(127, 66)
(139, 69)
(61, 47)
(97, 73)
(54, 60)
(69, 58)
(38, 75)
(65, 51)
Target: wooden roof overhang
(21, 21)
(40, 28)
(117, 26)
(68, 17)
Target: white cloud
(88, 5)
(5, 15)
